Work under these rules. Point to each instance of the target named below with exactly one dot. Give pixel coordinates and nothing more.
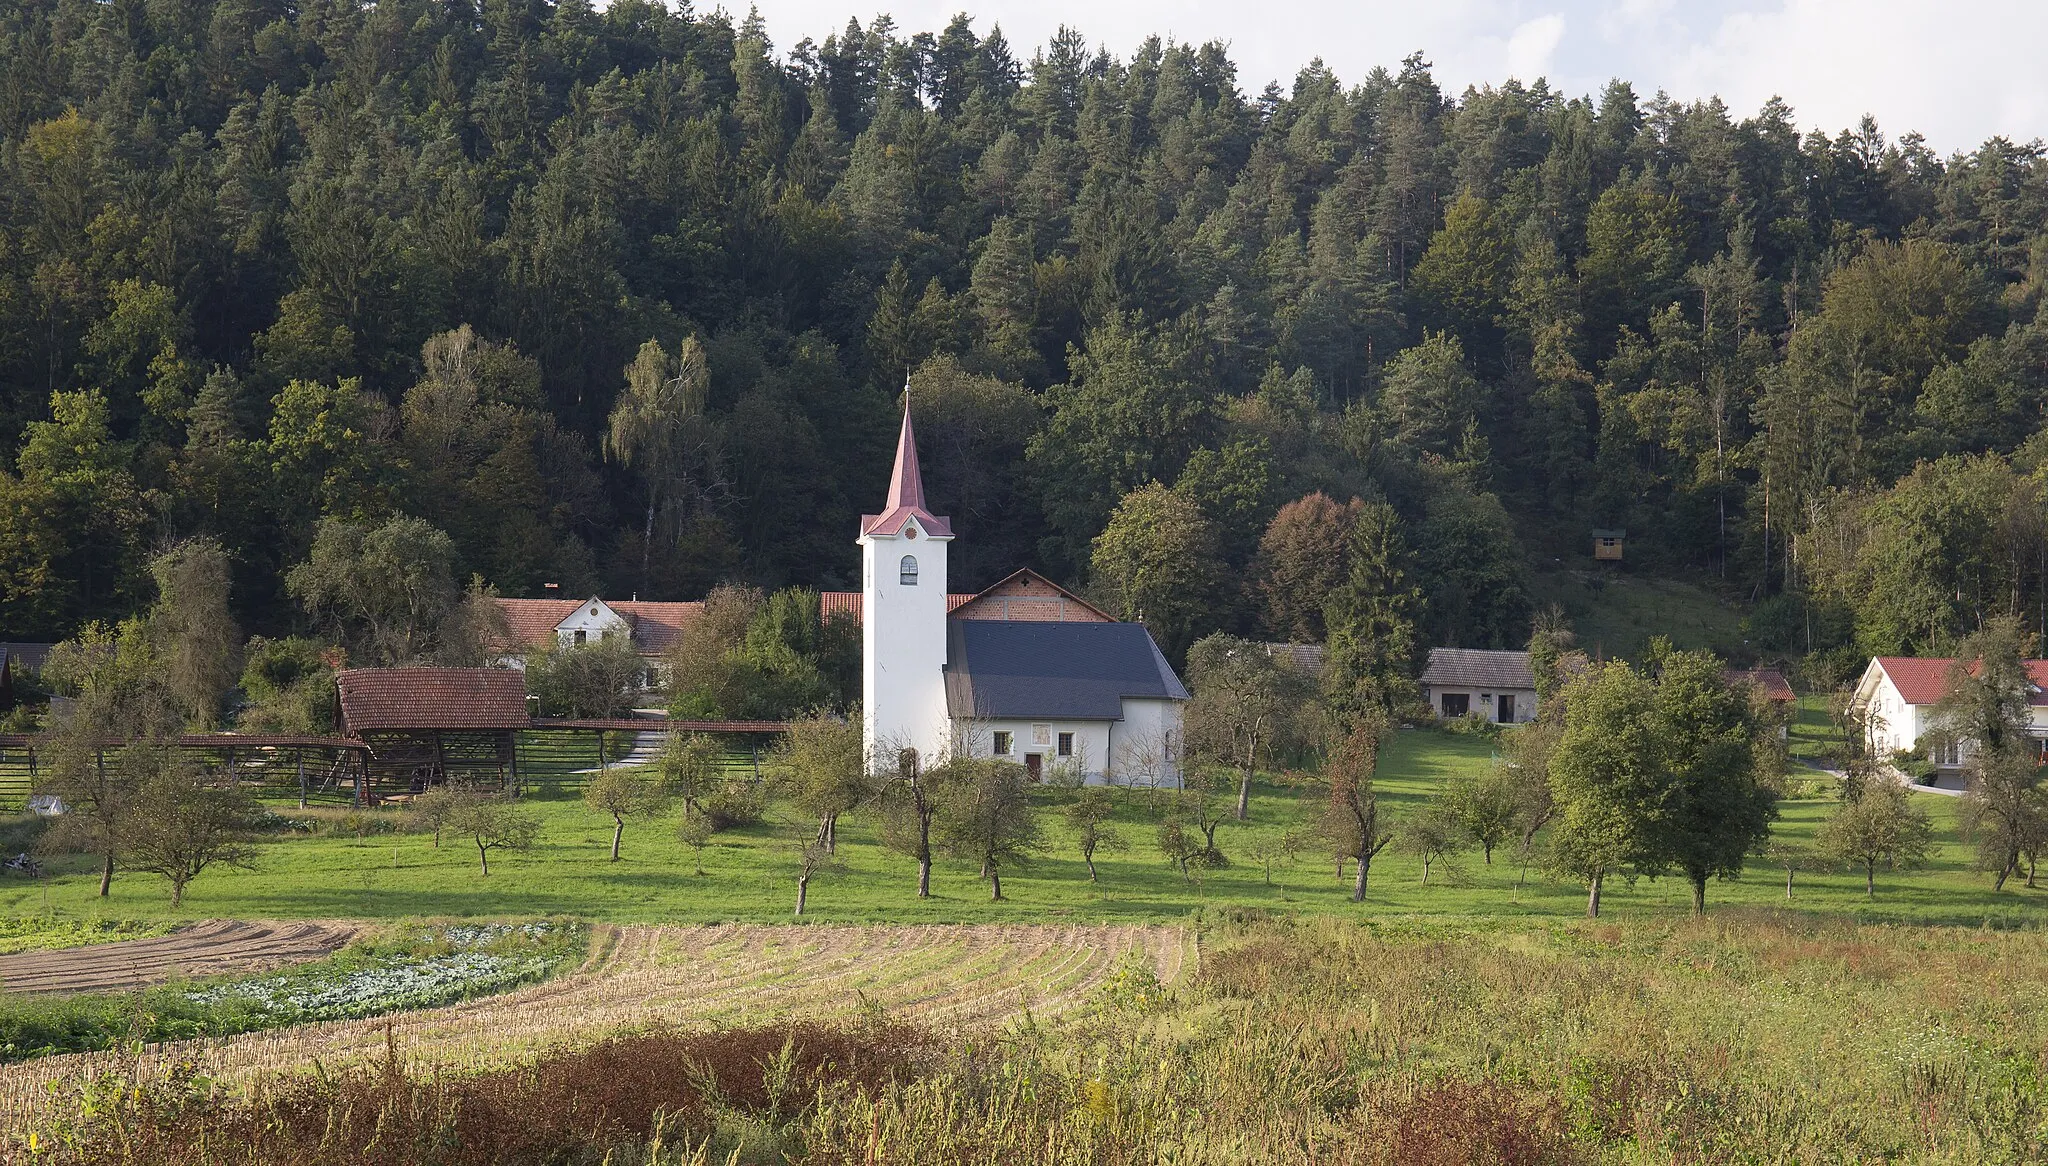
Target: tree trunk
(1593, 895)
(1870, 880)
(1486, 848)
(107, 874)
(1358, 887)
(2011, 860)
(483, 855)
(1088, 856)
(618, 830)
(1788, 880)
(995, 885)
(1699, 894)
(1425, 870)
(924, 876)
(1244, 794)
(803, 888)
(177, 893)
(647, 542)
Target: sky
(1957, 72)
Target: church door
(1034, 764)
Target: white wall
(1143, 746)
(1525, 702)
(1091, 742)
(903, 647)
(594, 627)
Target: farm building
(1607, 544)
(1497, 685)
(423, 726)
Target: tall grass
(1751, 1036)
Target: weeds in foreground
(1746, 1037)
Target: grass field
(750, 874)
(1615, 612)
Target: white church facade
(1024, 670)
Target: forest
(627, 301)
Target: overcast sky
(1958, 72)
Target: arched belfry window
(907, 574)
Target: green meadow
(749, 872)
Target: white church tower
(903, 618)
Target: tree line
(621, 300)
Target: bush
(738, 803)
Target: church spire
(906, 485)
(906, 490)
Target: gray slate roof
(998, 669)
(1477, 668)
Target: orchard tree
(1089, 816)
(1433, 836)
(625, 793)
(492, 822)
(911, 795)
(1717, 807)
(1246, 705)
(184, 821)
(987, 816)
(689, 767)
(1354, 822)
(1606, 778)
(1986, 711)
(1879, 827)
(1484, 808)
(115, 736)
(825, 763)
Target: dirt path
(720, 974)
(204, 949)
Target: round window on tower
(907, 573)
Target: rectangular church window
(1002, 743)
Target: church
(1025, 670)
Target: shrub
(738, 803)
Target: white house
(1497, 685)
(1896, 697)
(1025, 670)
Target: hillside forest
(626, 301)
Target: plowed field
(213, 948)
(947, 975)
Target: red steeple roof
(906, 491)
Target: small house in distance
(1607, 544)
(1498, 685)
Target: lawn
(749, 873)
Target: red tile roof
(656, 626)
(1922, 681)
(848, 603)
(1770, 680)
(378, 699)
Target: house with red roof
(1896, 697)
